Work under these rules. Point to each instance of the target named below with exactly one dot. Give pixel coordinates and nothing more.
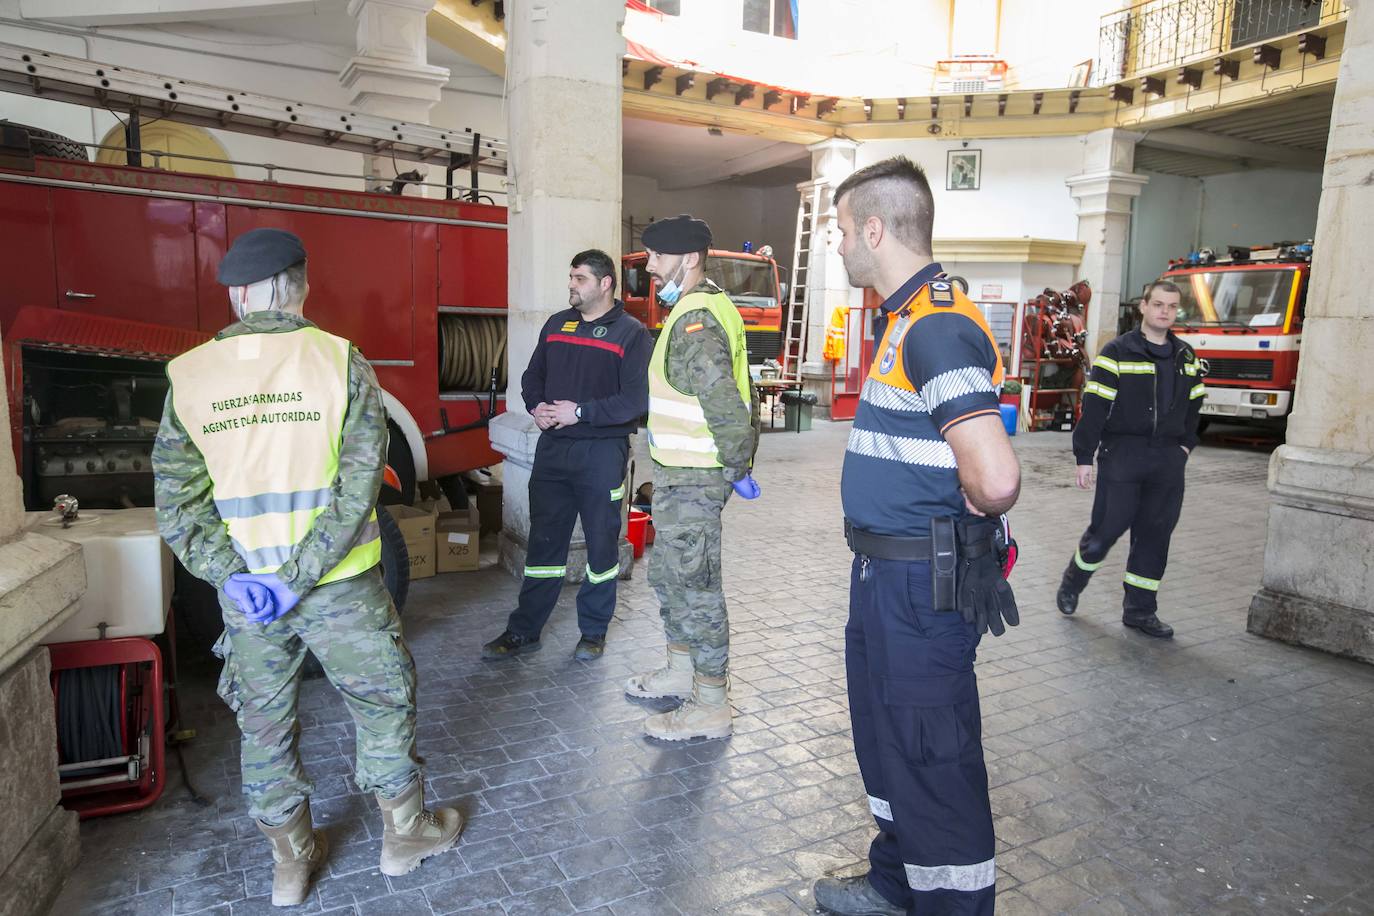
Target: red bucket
(637, 529)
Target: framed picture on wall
(963, 169)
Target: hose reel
(470, 346)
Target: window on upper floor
(667, 7)
(771, 17)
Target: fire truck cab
(1243, 315)
(750, 280)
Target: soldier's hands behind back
(278, 602)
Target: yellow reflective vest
(267, 413)
(679, 436)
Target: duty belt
(886, 546)
(940, 549)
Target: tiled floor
(1217, 773)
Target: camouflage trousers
(354, 631)
(685, 566)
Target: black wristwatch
(577, 412)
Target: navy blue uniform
(913, 697)
(579, 470)
(1140, 415)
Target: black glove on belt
(985, 598)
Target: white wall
(277, 67)
(1022, 190)
(1042, 47)
(1174, 215)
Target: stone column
(827, 283)
(1318, 587)
(1103, 192)
(563, 193)
(390, 75)
(41, 579)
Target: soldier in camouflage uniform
(702, 436)
(246, 452)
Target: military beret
(259, 254)
(680, 234)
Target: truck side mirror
(782, 292)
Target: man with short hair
(702, 436)
(1140, 415)
(927, 469)
(266, 470)
(586, 389)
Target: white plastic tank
(128, 573)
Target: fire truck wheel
(395, 559)
(402, 461)
(1202, 425)
(54, 146)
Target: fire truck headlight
(1264, 397)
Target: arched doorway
(179, 141)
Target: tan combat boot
(673, 680)
(705, 714)
(412, 834)
(298, 849)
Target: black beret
(259, 254)
(680, 234)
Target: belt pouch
(943, 564)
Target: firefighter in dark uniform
(927, 471)
(586, 388)
(1140, 416)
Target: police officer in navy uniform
(927, 471)
(586, 388)
(1140, 416)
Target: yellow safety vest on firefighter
(679, 436)
(267, 413)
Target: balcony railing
(1156, 34)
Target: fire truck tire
(395, 559)
(54, 146)
(1202, 425)
(402, 461)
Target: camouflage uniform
(350, 625)
(684, 568)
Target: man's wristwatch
(577, 411)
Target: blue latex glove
(278, 598)
(747, 487)
(251, 597)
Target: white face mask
(671, 291)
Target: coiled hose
(470, 346)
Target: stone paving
(1217, 773)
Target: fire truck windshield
(747, 282)
(1247, 298)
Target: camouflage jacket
(186, 514)
(700, 364)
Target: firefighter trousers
(1140, 487)
(913, 704)
(573, 478)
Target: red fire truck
(1243, 315)
(110, 271)
(750, 280)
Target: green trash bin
(797, 410)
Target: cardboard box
(417, 527)
(457, 538)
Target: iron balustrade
(1156, 34)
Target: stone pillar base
(1323, 625)
(35, 877)
(1318, 577)
(39, 847)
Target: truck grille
(763, 345)
(1260, 370)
